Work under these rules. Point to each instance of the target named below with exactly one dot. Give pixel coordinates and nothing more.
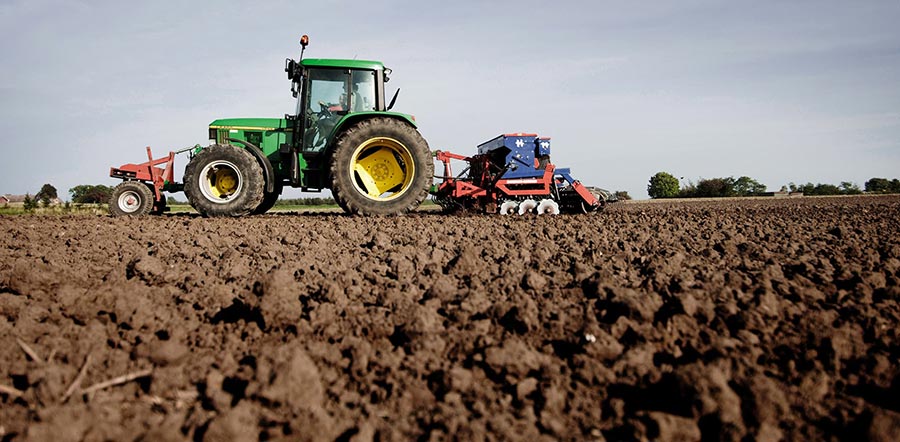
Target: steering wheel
(324, 112)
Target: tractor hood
(265, 124)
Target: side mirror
(289, 67)
(393, 100)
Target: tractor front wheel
(131, 198)
(224, 180)
(381, 166)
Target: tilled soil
(720, 320)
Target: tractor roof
(337, 63)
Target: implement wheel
(131, 198)
(224, 180)
(381, 166)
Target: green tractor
(342, 137)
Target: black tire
(159, 207)
(131, 198)
(269, 200)
(224, 180)
(398, 165)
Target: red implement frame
(457, 188)
(528, 186)
(148, 172)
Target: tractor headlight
(387, 73)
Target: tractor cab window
(328, 89)
(363, 98)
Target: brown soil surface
(721, 320)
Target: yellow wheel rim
(382, 169)
(220, 181)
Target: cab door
(328, 96)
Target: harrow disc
(548, 207)
(509, 207)
(527, 206)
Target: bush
(90, 194)
(622, 195)
(715, 187)
(722, 187)
(820, 189)
(663, 185)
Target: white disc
(508, 207)
(527, 206)
(548, 207)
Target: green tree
(90, 194)
(820, 189)
(878, 185)
(806, 189)
(28, 203)
(882, 185)
(663, 185)
(715, 187)
(47, 193)
(745, 186)
(848, 188)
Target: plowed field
(718, 320)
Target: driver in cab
(343, 104)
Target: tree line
(665, 185)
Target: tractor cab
(328, 91)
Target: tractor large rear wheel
(224, 180)
(381, 166)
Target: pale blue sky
(778, 90)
